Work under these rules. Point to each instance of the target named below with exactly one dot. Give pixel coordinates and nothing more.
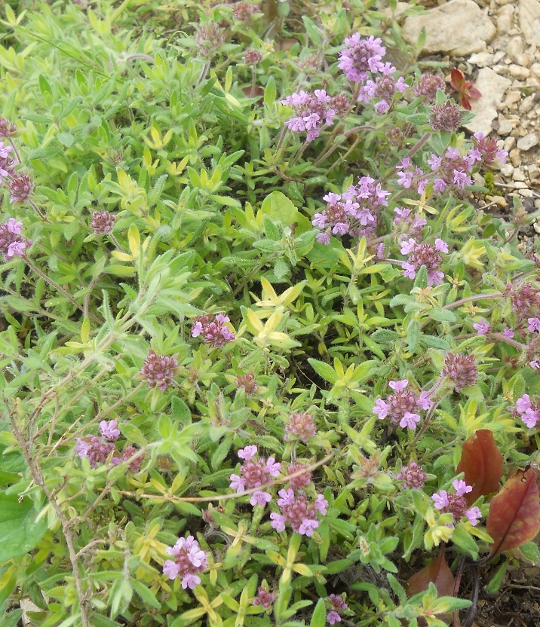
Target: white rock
(515, 47)
(527, 104)
(534, 171)
(498, 56)
(535, 67)
(512, 97)
(507, 169)
(458, 27)
(515, 157)
(526, 193)
(529, 20)
(498, 200)
(509, 143)
(482, 59)
(519, 72)
(518, 175)
(505, 19)
(520, 185)
(492, 87)
(529, 141)
(505, 127)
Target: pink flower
(333, 617)
(213, 330)
(109, 430)
(247, 453)
(409, 420)
(474, 514)
(461, 487)
(189, 560)
(534, 324)
(412, 476)
(508, 333)
(441, 499)
(482, 327)
(260, 498)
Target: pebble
(511, 97)
(515, 157)
(526, 193)
(505, 127)
(529, 20)
(482, 59)
(498, 56)
(505, 18)
(527, 104)
(519, 72)
(498, 200)
(535, 67)
(458, 27)
(520, 185)
(507, 170)
(534, 171)
(518, 175)
(509, 143)
(529, 141)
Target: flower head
(102, 222)
(159, 370)
(360, 56)
(460, 369)
(301, 426)
(254, 472)
(109, 430)
(21, 188)
(412, 476)
(11, 241)
(264, 598)
(312, 111)
(299, 511)
(404, 406)
(445, 117)
(456, 504)
(213, 329)
(482, 327)
(528, 411)
(188, 561)
(428, 85)
(419, 255)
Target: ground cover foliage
(263, 363)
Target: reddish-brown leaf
(514, 513)
(437, 572)
(457, 79)
(482, 463)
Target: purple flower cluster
(410, 176)
(355, 212)
(189, 560)
(21, 187)
(419, 255)
(528, 411)
(301, 481)
(445, 117)
(102, 222)
(360, 56)
(456, 504)
(300, 426)
(482, 327)
(11, 242)
(406, 223)
(337, 604)
(525, 303)
(312, 111)
(427, 86)
(213, 329)
(460, 369)
(264, 598)
(299, 511)
(97, 449)
(159, 370)
(452, 170)
(412, 476)
(487, 149)
(404, 406)
(254, 473)
(382, 89)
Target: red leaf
(514, 514)
(474, 93)
(464, 101)
(482, 463)
(457, 79)
(437, 572)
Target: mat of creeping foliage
(263, 363)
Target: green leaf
(462, 539)
(133, 434)
(441, 315)
(313, 32)
(279, 208)
(146, 595)
(324, 370)
(319, 615)
(270, 91)
(180, 411)
(19, 530)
